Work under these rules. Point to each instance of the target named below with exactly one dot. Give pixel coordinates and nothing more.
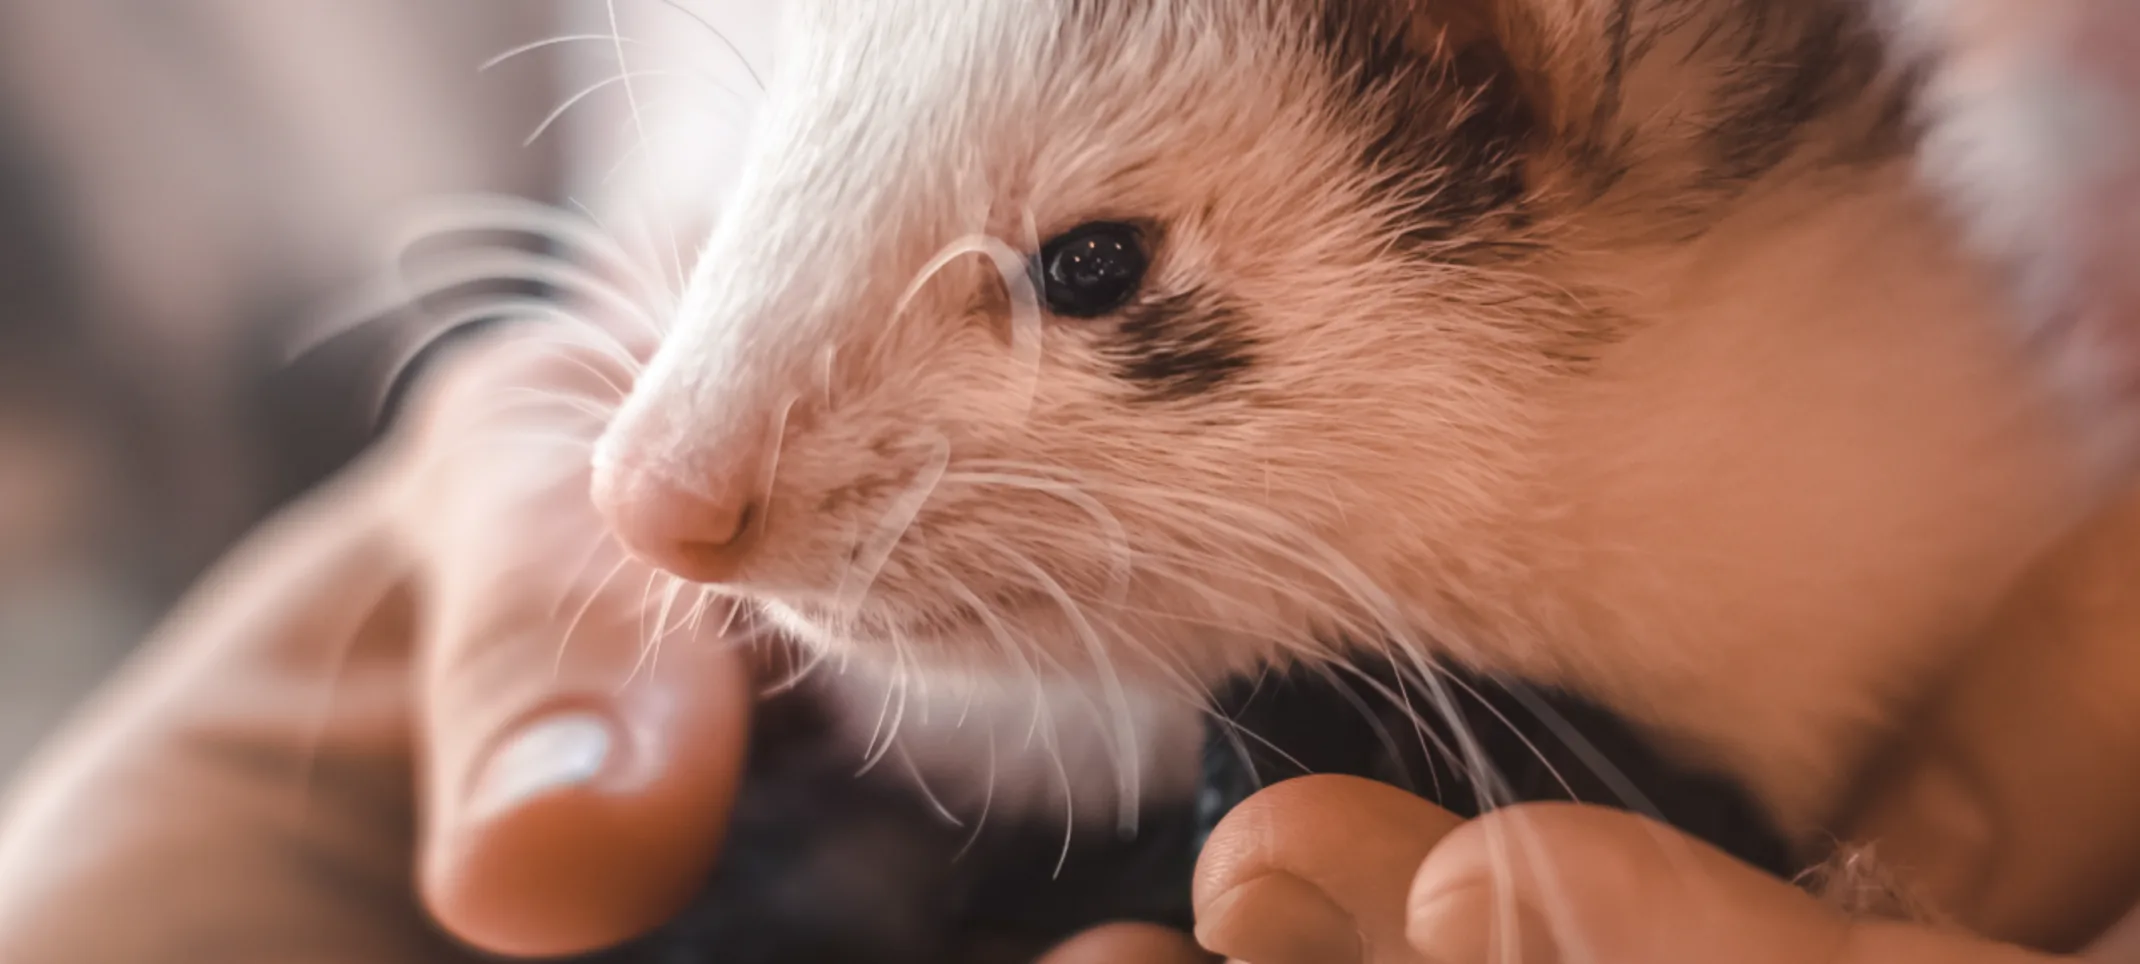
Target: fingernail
(556, 753)
(1471, 926)
(1278, 919)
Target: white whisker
(897, 520)
(564, 640)
(533, 46)
(928, 795)
(722, 36)
(625, 79)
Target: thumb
(575, 790)
(1558, 882)
(1315, 869)
(580, 738)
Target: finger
(1556, 882)
(574, 802)
(1959, 800)
(1315, 870)
(1128, 944)
(581, 722)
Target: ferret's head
(1243, 333)
(1175, 335)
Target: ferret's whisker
(557, 113)
(648, 642)
(535, 45)
(722, 36)
(564, 640)
(921, 783)
(897, 521)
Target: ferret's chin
(941, 644)
(1013, 644)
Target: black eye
(1092, 269)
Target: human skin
(1332, 868)
(307, 763)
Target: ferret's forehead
(1059, 19)
(1016, 46)
(1001, 87)
(894, 128)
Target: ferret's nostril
(714, 559)
(700, 536)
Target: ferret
(1053, 361)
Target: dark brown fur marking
(1444, 124)
(1794, 63)
(1449, 129)
(1182, 345)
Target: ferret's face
(1073, 336)
(1045, 333)
(1608, 345)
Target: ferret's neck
(1815, 463)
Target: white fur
(2031, 135)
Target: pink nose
(699, 533)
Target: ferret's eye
(1092, 269)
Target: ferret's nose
(700, 532)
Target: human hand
(431, 672)
(444, 625)
(1327, 869)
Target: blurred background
(181, 184)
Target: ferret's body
(1612, 346)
